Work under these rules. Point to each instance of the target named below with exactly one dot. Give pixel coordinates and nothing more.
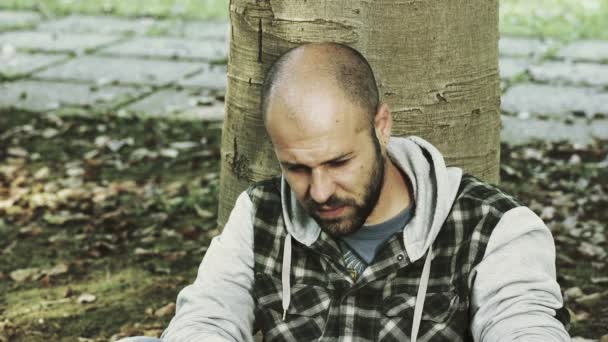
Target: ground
(109, 156)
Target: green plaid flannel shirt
(326, 304)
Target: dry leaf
(590, 300)
(25, 274)
(86, 298)
(166, 310)
(57, 270)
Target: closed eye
(338, 163)
(296, 168)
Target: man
(365, 237)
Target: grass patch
(562, 19)
(186, 9)
(120, 298)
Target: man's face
(331, 160)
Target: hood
(434, 187)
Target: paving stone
(571, 73)
(516, 131)
(170, 48)
(38, 96)
(18, 19)
(59, 42)
(511, 67)
(179, 104)
(599, 129)
(554, 101)
(18, 64)
(212, 77)
(524, 47)
(586, 50)
(218, 30)
(98, 24)
(104, 70)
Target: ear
(383, 124)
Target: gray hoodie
(219, 306)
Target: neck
(394, 196)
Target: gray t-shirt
(360, 248)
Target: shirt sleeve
(219, 306)
(515, 294)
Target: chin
(337, 230)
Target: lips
(331, 212)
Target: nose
(321, 186)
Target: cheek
(351, 179)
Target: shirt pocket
(398, 315)
(307, 310)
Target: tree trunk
(436, 64)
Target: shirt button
(400, 257)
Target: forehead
(328, 131)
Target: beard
(361, 209)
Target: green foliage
(562, 19)
(187, 9)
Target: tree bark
(435, 61)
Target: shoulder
(268, 189)
(487, 197)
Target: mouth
(331, 212)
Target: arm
(514, 292)
(218, 306)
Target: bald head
(330, 67)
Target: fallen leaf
(166, 310)
(17, 152)
(590, 300)
(548, 213)
(102, 141)
(86, 298)
(591, 250)
(75, 172)
(64, 217)
(59, 269)
(9, 249)
(25, 274)
(142, 251)
(183, 145)
(573, 293)
(203, 213)
(169, 153)
(29, 231)
(599, 280)
(42, 174)
(49, 133)
(153, 332)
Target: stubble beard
(360, 211)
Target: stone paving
(552, 91)
(94, 64)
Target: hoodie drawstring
(424, 279)
(285, 281)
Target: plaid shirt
(326, 304)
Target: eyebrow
(338, 158)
